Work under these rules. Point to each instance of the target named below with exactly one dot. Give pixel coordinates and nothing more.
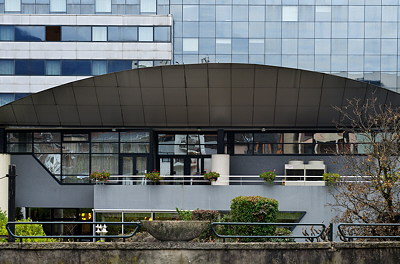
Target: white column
(220, 164)
(4, 162)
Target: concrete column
(5, 160)
(220, 164)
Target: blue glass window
(76, 67)
(99, 67)
(162, 34)
(29, 33)
(6, 32)
(6, 67)
(53, 67)
(119, 65)
(122, 33)
(29, 67)
(69, 33)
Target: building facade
(357, 39)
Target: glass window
(19, 137)
(75, 164)
(148, 6)
(145, 33)
(76, 68)
(207, 13)
(273, 30)
(190, 45)
(207, 45)
(58, 5)
(104, 6)
(104, 147)
(207, 29)
(306, 30)
(240, 13)
(322, 13)
(12, 5)
(191, 29)
(6, 32)
(104, 136)
(53, 33)
(224, 29)
(99, 33)
(224, 13)
(47, 147)
(223, 46)
(273, 13)
(51, 161)
(256, 46)
(256, 29)
(144, 64)
(356, 13)
(75, 147)
(53, 67)
(306, 46)
(135, 136)
(240, 29)
(6, 67)
(190, 13)
(71, 33)
(134, 147)
(240, 46)
(162, 34)
(273, 46)
(30, 33)
(289, 13)
(256, 13)
(29, 67)
(119, 65)
(47, 137)
(122, 33)
(289, 30)
(99, 67)
(107, 162)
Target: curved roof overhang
(198, 95)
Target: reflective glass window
(71, 33)
(306, 46)
(339, 30)
(122, 33)
(223, 13)
(306, 13)
(7, 67)
(389, 46)
(53, 67)
(256, 13)
(339, 63)
(6, 32)
(306, 30)
(373, 13)
(372, 46)
(340, 13)
(356, 30)
(356, 46)
(29, 33)
(289, 46)
(289, 30)
(190, 45)
(207, 45)
(207, 29)
(58, 5)
(356, 13)
(389, 13)
(104, 6)
(12, 5)
(148, 6)
(339, 46)
(162, 34)
(119, 65)
(223, 46)
(372, 63)
(256, 29)
(256, 46)
(190, 13)
(355, 63)
(240, 46)
(134, 136)
(322, 46)
(322, 13)
(224, 29)
(240, 29)
(99, 67)
(207, 13)
(389, 30)
(77, 164)
(146, 34)
(274, 13)
(289, 13)
(273, 46)
(389, 63)
(322, 30)
(99, 33)
(240, 13)
(108, 162)
(191, 29)
(29, 67)
(76, 67)
(273, 30)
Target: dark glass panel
(47, 137)
(76, 67)
(19, 137)
(76, 137)
(29, 67)
(30, 33)
(135, 148)
(119, 65)
(135, 137)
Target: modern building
(44, 43)
(237, 119)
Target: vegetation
(374, 195)
(153, 176)
(101, 176)
(211, 176)
(268, 176)
(331, 178)
(24, 230)
(254, 209)
(184, 215)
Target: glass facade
(351, 38)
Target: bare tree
(371, 194)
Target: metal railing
(136, 224)
(214, 224)
(343, 234)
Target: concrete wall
(4, 162)
(37, 188)
(312, 199)
(232, 253)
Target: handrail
(350, 237)
(267, 224)
(137, 224)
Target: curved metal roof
(199, 95)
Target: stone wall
(232, 253)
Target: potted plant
(153, 176)
(330, 178)
(268, 176)
(100, 176)
(211, 176)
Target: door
(132, 165)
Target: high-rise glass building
(59, 39)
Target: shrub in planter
(153, 176)
(268, 176)
(254, 209)
(211, 176)
(184, 215)
(100, 176)
(208, 215)
(331, 178)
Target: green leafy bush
(210, 215)
(185, 215)
(24, 230)
(153, 176)
(211, 176)
(268, 176)
(331, 178)
(254, 209)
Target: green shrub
(282, 231)
(254, 209)
(268, 176)
(185, 215)
(331, 178)
(210, 215)
(24, 230)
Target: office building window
(99, 34)
(103, 6)
(6, 33)
(53, 33)
(145, 33)
(289, 13)
(53, 67)
(99, 67)
(6, 67)
(12, 5)
(190, 45)
(148, 6)
(58, 5)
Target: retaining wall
(157, 253)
